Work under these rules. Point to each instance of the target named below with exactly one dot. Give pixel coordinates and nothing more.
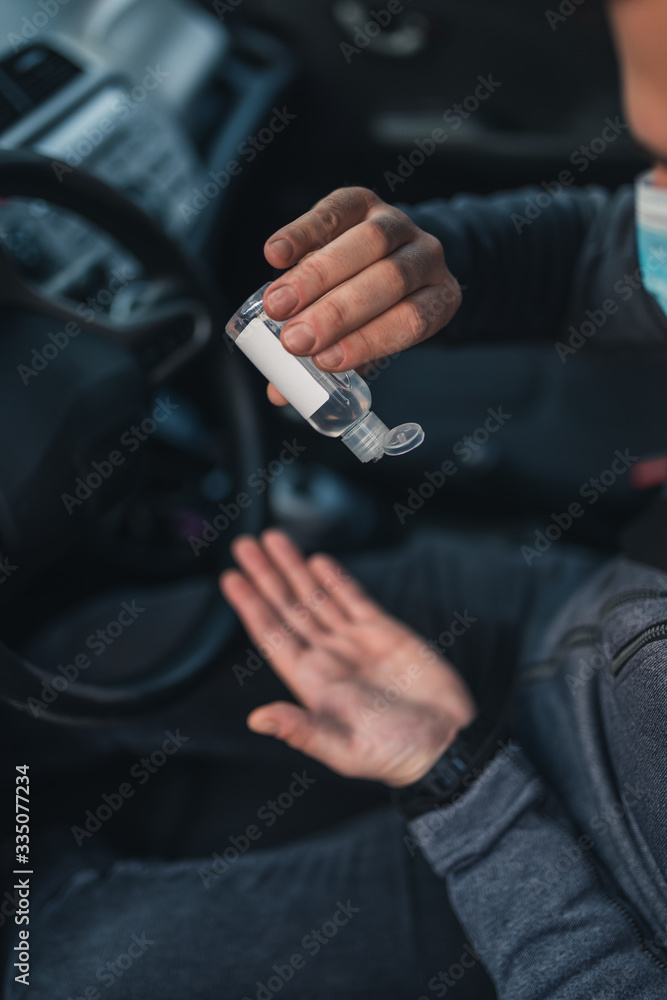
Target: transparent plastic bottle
(338, 405)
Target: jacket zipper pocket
(652, 634)
(581, 635)
(629, 598)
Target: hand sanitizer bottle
(337, 405)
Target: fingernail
(283, 248)
(299, 338)
(331, 358)
(282, 300)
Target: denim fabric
(347, 914)
(555, 860)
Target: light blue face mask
(651, 221)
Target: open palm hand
(374, 700)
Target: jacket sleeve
(542, 915)
(515, 260)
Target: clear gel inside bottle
(338, 405)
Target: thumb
(275, 397)
(318, 737)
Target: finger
(328, 218)
(318, 736)
(272, 583)
(275, 397)
(413, 320)
(260, 621)
(353, 251)
(360, 300)
(349, 595)
(309, 677)
(314, 594)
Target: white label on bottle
(283, 369)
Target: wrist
(464, 760)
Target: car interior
(148, 148)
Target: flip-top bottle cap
(370, 439)
(403, 439)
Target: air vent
(29, 78)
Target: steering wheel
(63, 421)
